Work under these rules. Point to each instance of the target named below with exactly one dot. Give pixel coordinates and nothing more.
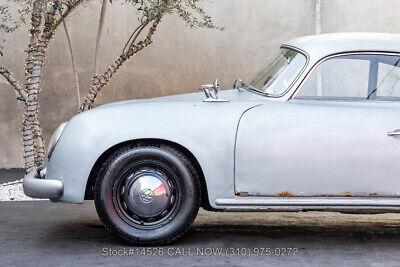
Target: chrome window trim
(300, 86)
(294, 81)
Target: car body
(272, 150)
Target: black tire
(119, 176)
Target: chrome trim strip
(352, 209)
(309, 201)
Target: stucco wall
(180, 60)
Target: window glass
(340, 77)
(275, 79)
(362, 77)
(388, 79)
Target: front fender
(207, 130)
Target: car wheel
(147, 194)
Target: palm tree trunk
(29, 116)
(32, 135)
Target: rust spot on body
(243, 193)
(286, 194)
(290, 194)
(348, 194)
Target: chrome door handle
(394, 133)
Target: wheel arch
(147, 141)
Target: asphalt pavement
(9, 175)
(41, 233)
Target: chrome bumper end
(36, 187)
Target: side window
(357, 77)
(338, 78)
(388, 79)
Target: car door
(329, 139)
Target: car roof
(322, 45)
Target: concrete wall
(180, 60)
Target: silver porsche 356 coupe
(318, 129)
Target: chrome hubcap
(147, 195)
